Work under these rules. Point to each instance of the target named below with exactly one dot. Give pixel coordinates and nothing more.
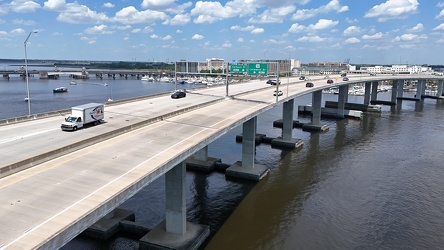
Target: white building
(397, 69)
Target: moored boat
(60, 90)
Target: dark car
(343, 74)
(330, 81)
(345, 79)
(273, 82)
(302, 78)
(178, 94)
(309, 85)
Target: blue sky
(373, 32)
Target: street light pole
(26, 73)
(289, 70)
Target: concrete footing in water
(256, 174)
(110, 224)
(202, 165)
(159, 238)
(315, 127)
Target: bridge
(57, 184)
(82, 73)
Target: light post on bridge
(289, 70)
(26, 73)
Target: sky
(358, 31)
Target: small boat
(60, 90)
(26, 99)
(145, 78)
(73, 83)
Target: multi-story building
(397, 69)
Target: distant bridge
(84, 74)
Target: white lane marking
(25, 136)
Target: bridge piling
(315, 124)
(175, 232)
(201, 161)
(287, 140)
(246, 168)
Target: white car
(278, 93)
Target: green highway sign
(238, 68)
(257, 69)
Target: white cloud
(108, 5)
(154, 36)
(393, 9)
(352, 40)
(210, 12)
(418, 28)
(332, 6)
(167, 37)
(296, 28)
(375, 36)
(257, 31)
(351, 30)
(130, 15)
(56, 5)
(17, 31)
(409, 37)
(197, 37)
(240, 40)
(180, 19)
(227, 45)
(74, 13)
(23, 6)
(100, 29)
(440, 15)
(439, 27)
(275, 15)
(310, 39)
(239, 28)
(324, 24)
(157, 4)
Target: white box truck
(82, 115)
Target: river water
(374, 183)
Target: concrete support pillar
(400, 88)
(316, 103)
(419, 87)
(176, 200)
(287, 119)
(367, 91)
(175, 232)
(395, 90)
(202, 155)
(423, 87)
(343, 93)
(249, 142)
(374, 95)
(440, 85)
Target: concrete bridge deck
(54, 201)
